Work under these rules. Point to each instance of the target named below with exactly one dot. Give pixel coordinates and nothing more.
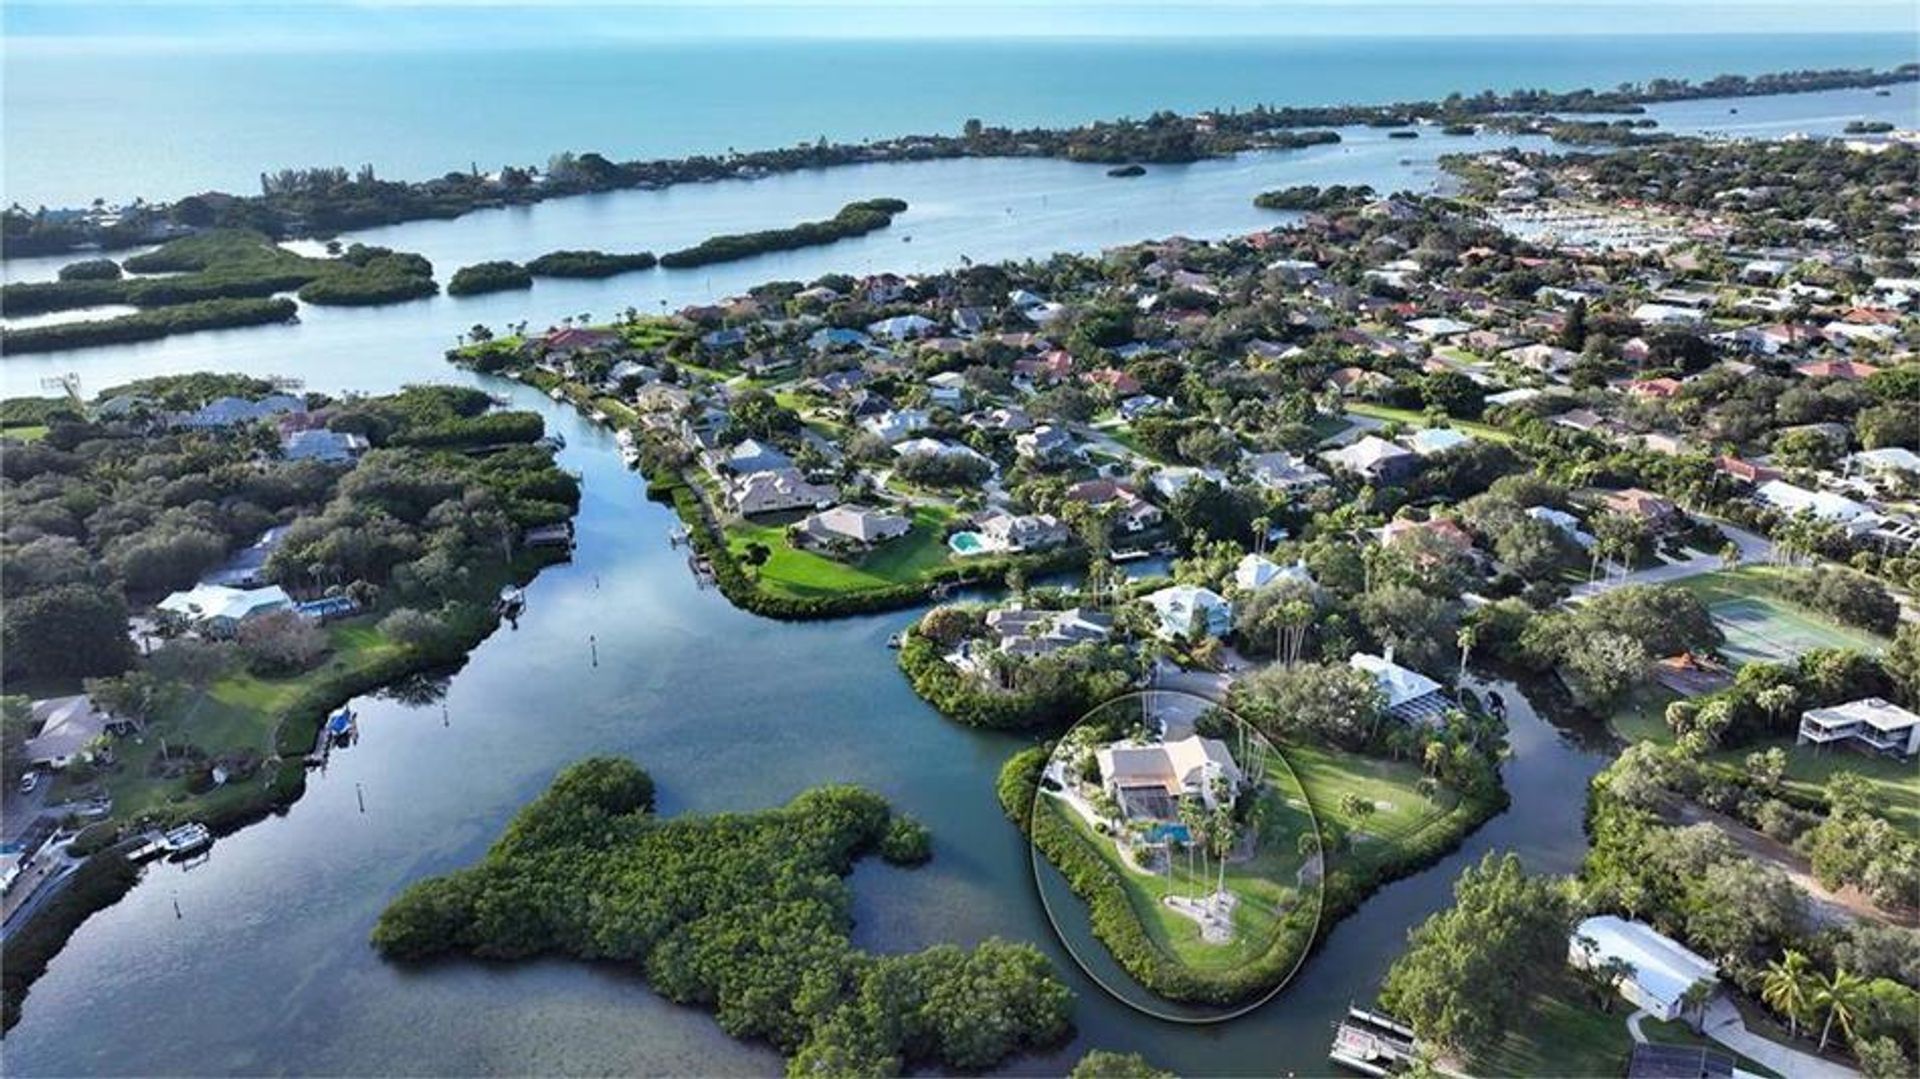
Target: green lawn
(1563, 1033)
(803, 574)
(1400, 810)
(1895, 784)
(237, 714)
(1760, 624)
(28, 433)
(1419, 419)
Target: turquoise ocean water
(116, 124)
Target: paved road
(1754, 549)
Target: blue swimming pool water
(966, 543)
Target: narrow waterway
(267, 969)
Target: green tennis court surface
(1760, 629)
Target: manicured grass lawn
(1419, 419)
(805, 574)
(31, 433)
(1760, 624)
(1400, 810)
(1895, 784)
(236, 714)
(1563, 1033)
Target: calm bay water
(268, 970)
(118, 124)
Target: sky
(246, 24)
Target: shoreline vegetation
(149, 325)
(745, 914)
(229, 722)
(327, 201)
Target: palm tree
(1467, 637)
(1840, 996)
(1730, 556)
(1693, 1002)
(1194, 818)
(1787, 988)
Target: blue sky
(398, 23)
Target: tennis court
(1760, 629)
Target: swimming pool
(1161, 833)
(966, 543)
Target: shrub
(906, 842)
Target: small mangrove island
(854, 219)
(744, 914)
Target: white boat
(186, 839)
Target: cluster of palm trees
(1793, 987)
(1212, 832)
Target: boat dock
(1373, 1044)
(185, 839)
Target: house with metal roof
(1661, 969)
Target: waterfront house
(1407, 695)
(1148, 781)
(1132, 513)
(64, 730)
(218, 610)
(1190, 612)
(1869, 724)
(223, 412)
(850, 527)
(1022, 532)
(775, 490)
(1660, 970)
